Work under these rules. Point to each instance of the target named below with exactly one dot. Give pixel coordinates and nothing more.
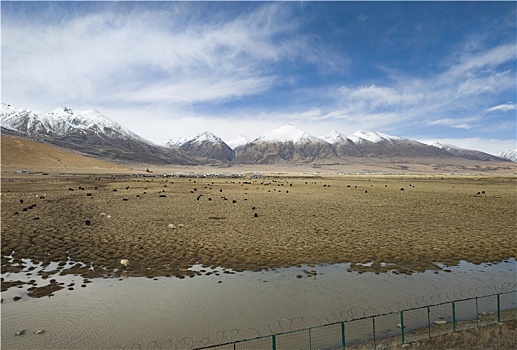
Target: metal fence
(382, 331)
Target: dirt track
(164, 226)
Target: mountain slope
(466, 153)
(23, 154)
(88, 132)
(238, 141)
(510, 154)
(376, 144)
(206, 145)
(286, 144)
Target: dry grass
(23, 154)
(297, 221)
(493, 337)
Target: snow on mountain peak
(510, 154)
(61, 121)
(334, 137)
(177, 142)
(372, 136)
(444, 146)
(200, 138)
(287, 133)
(240, 140)
(207, 136)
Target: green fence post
(310, 340)
(342, 334)
(498, 309)
(374, 340)
(453, 317)
(477, 313)
(429, 321)
(402, 325)
(273, 341)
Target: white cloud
(505, 107)
(474, 61)
(458, 123)
(151, 56)
(463, 88)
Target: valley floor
(163, 226)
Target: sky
(443, 71)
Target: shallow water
(110, 313)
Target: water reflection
(119, 312)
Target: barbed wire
(295, 324)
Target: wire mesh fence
(382, 331)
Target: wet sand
(164, 226)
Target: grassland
(163, 226)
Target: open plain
(164, 226)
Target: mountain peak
(207, 136)
(372, 136)
(240, 140)
(510, 154)
(334, 137)
(287, 133)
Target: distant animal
(21, 332)
(39, 331)
(124, 262)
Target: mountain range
(92, 133)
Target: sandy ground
(163, 226)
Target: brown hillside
(23, 154)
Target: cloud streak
(321, 66)
(151, 57)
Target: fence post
(498, 309)
(477, 313)
(373, 323)
(402, 325)
(310, 340)
(453, 317)
(429, 321)
(273, 341)
(342, 334)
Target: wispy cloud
(187, 67)
(152, 56)
(458, 123)
(460, 89)
(505, 107)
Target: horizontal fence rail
(380, 331)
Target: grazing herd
(165, 227)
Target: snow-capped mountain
(61, 121)
(377, 144)
(88, 132)
(283, 145)
(510, 154)
(92, 133)
(286, 133)
(335, 137)
(176, 142)
(362, 136)
(204, 145)
(463, 152)
(238, 141)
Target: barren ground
(163, 226)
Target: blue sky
(424, 70)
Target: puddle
(112, 312)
